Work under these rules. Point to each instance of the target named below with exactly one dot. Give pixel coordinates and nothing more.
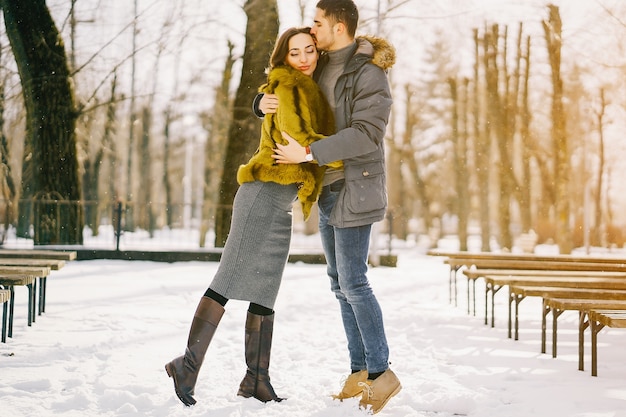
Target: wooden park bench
(588, 284)
(55, 259)
(490, 260)
(474, 274)
(582, 294)
(540, 266)
(584, 300)
(9, 281)
(613, 290)
(560, 294)
(14, 276)
(556, 306)
(597, 320)
(53, 264)
(5, 296)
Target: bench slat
(38, 253)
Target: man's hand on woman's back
(268, 103)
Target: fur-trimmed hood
(382, 52)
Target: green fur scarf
(305, 115)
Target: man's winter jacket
(363, 100)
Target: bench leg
(11, 310)
(43, 291)
(518, 299)
(487, 290)
(40, 298)
(31, 308)
(42, 295)
(474, 295)
(5, 318)
(494, 290)
(595, 329)
(456, 290)
(582, 325)
(555, 315)
(511, 299)
(32, 297)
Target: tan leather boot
(184, 369)
(378, 392)
(258, 344)
(351, 387)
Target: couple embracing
(325, 115)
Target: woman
(257, 247)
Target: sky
(110, 326)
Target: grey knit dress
(256, 251)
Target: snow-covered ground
(110, 326)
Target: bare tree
(216, 123)
(459, 154)
(416, 185)
(398, 219)
(525, 120)
(431, 134)
(499, 117)
(261, 32)
(482, 149)
(552, 29)
(600, 114)
(50, 169)
(92, 165)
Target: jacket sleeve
(371, 106)
(255, 106)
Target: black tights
(257, 309)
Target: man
(353, 198)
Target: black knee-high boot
(184, 369)
(258, 346)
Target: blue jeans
(346, 250)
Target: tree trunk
(482, 147)
(460, 167)
(498, 117)
(597, 224)
(145, 212)
(50, 169)
(243, 135)
(525, 195)
(409, 155)
(216, 125)
(503, 92)
(552, 29)
(396, 214)
(167, 186)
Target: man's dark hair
(341, 11)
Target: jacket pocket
(365, 189)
